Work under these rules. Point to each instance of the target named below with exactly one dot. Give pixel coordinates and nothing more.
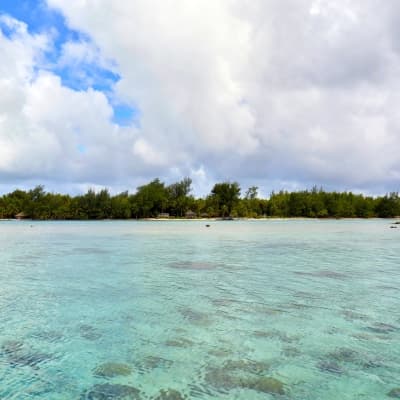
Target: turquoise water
(240, 310)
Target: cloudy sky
(276, 93)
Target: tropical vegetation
(225, 200)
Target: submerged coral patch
(111, 369)
(108, 391)
(17, 355)
(222, 380)
(344, 355)
(394, 393)
(195, 317)
(291, 351)
(11, 346)
(220, 352)
(179, 342)
(30, 359)
(152, 362)
(330, 366)
(382, 328)
(243, 374)
(275, 334)
(89, 332)
(170, 394)
(246, 366)
(266, 384)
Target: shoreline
(210, 219)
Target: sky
(281, 94)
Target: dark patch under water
(18, 356)
(330, 366)
(90, 250)
(150, 363)
(382, 328)
(49, 336)
(108, 391)
(112, 369)
(344, 355)
(394, 393)
(89, 332)
(179, 342)
(170, 394)
(275, 334)
(243, 374)
(193, 265)
(322, 274)
(195, 317)
(246, 366)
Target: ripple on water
(323, 274)
(382, 328)
(349, 335)
(150, 363)
(194, 265)
(49, 336)
(17, 355)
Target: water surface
(287, 309)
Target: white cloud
(147, 153)
(45, 125)
(298, 91)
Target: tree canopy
(154, 198)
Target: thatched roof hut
(21, 215)
(190, 214)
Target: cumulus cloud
(291, 92)
(49, 131)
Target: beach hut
(163, 215)
(190, 214)
(21, 215)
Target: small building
(21, 215)
(204, 215)
(163, 215)
(190, 214)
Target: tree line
(156, 199)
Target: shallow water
(241, 310)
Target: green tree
(388, 206)
(225, 195)
(121, 206)
(150, 200)
(178, 197)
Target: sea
(172, 310)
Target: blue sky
(39, 18)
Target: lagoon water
(280, 309)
